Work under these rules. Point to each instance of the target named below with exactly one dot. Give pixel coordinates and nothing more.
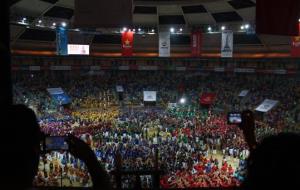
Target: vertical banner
(295, 50)
(164, 44)
(127, 43)
(62, 41)
(196, 43)
(227, 44)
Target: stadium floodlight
(182, 100)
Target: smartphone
(234, 118)
(57, 143)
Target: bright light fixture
(182, 100)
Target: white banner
(266, 105)
(172, 105)
(227, 44)
(164, 44)
(243, 93)
(77, 49)
(119, 88)
(55, 90)
(150, 96)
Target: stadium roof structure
(151, 12)
(33, 25)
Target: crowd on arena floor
(188, 137)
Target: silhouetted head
(275, 163)
(20, 147)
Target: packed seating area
(196, 146)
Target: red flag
(181, 88)
(295, 50)
(207, 98)
(127, 43)
(196, 43)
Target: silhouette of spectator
(274, 163)
(21, 151)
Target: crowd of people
(196, 145)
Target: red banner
(181, 88)
(196, 43)
(207, 98)
(295, 50)
(127, 43)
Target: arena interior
(153, 82)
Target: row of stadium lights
(243, 27)
(125, 29)
(40, 22)
(172, 30)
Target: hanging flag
(127, 43)
(181, 88)
(196, 43)
(150, 96)
(244, 93)
(295, 50)
(207, 98)
(61, 41)
(266, 105)
(227, 43)
(164, 44)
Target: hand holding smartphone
(234, 118)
